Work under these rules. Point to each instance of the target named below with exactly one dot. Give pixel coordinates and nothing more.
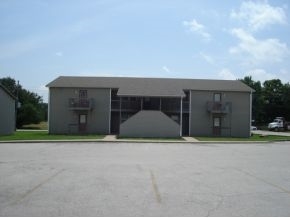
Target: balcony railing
(81, 104)
(169, 106)
(219, 107)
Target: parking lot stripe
(155, 187)
(21, 197)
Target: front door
(82, 123)
(216, 126)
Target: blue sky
(41, 40)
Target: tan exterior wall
(234, 124)
(7, 113)
(240, 117)
(63, 120)
(200, 121)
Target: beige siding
(240, 117)
(234, 124)
(200, 119)
(62, 120)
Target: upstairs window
(83, 93)
(217, 97)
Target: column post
(180, 117)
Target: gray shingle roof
(130, 86)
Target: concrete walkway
(110, 138)
(190, 139)
(114, 138)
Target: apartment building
(149, 107)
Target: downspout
(48, 111)
(180, 117)
(110, 111)
(189, 117)
(120, 120)
(250, 112)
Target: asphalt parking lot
(144, 179)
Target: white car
(254, 128)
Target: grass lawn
(255, 137)
(43, 135)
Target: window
(83, 119)
(216, 121)
(83, 93)
(217, 97)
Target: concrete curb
(137, 141)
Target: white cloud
(260, 75)
(226, 74)
(268, 50)
(258, 15)
(198, 28)
(207, 58)
(166, 69)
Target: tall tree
(10, 84)
(270, 100)
(286, 100)
(273, 93)
(257, 101)
(32, 109)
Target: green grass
(43, 135)
(255, 137)
(151, 138)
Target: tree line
(270, 99)
(30, 106)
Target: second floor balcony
(219, 107)
(81, 103)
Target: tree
(286, 100)
(10, 84)
(28, 114)
(273, 92)
(257, 99)
(32, 109)
(270, 100)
